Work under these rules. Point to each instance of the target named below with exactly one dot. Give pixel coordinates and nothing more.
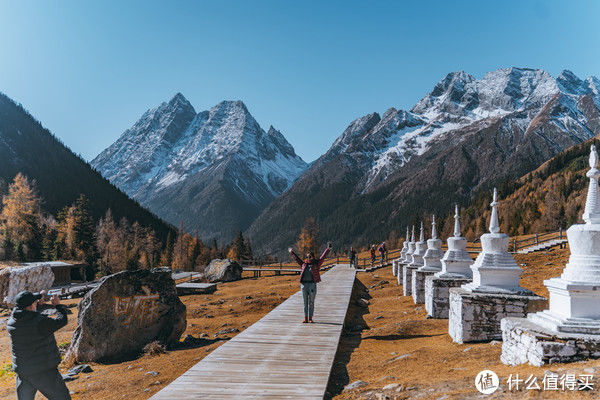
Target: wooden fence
(259, 266)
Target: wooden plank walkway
(278, 357)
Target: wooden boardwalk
(278, 357)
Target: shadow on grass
(399, 337)
(350, 339)
(185, 345)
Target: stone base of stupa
(475, 316)
(407, 273)
(525, 341)
(418, 285)
(396, 266)
(437, 294)
(399, 272)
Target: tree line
(28, 233)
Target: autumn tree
(21, 219)
(239, 249)
(308, 238)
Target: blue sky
(88, 70)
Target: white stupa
(575, 295)
(431, 264)
(405, 246)
(411, 248)
(433, 255)
(456, 271)
(414, 260)
(456, 262)
(420, 249)
(495, 269)
(570, 329)
(396, 264)
(476, 309)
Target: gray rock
(68, 378)
(152, 373)
(16, 279)
(391, 386)
(125, 312)
(224, 270)
(79, 369)
(226, 331)
(355, 385)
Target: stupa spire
(412, 239)
(422, 237)
(591, 214)
(433, 231)
(456, 222)
(494, 224)
(407, 233)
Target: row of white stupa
(484, 300)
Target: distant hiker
(382, 251)
(352, 256)
(372, 255)
(309, 277)
(35, 356)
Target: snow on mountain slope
(459, 100)
(172, 145)
(462, 137)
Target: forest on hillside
(544, 200)
(29, 233)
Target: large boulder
(124, 313)
(16, 279)
(225, 270)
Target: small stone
(391, 386)
(68, 378)
(399, 357)
(79, 369)
(152, 373)
(147, 390)
(226, 331)
(495, 342)
(467, 349)
(355, 385)
(590, 370)
(379, 317)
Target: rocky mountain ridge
(212, 171)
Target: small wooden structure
(64, 272)
(196, 288)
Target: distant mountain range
(212, 171)
(385, 171)
(60, 176)
(217, 171)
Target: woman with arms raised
(309, 277)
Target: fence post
(515, 248)
(560, 232)
(536, 239)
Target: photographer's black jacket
(32, 336)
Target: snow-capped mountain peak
(459, 101)
(172, 149)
